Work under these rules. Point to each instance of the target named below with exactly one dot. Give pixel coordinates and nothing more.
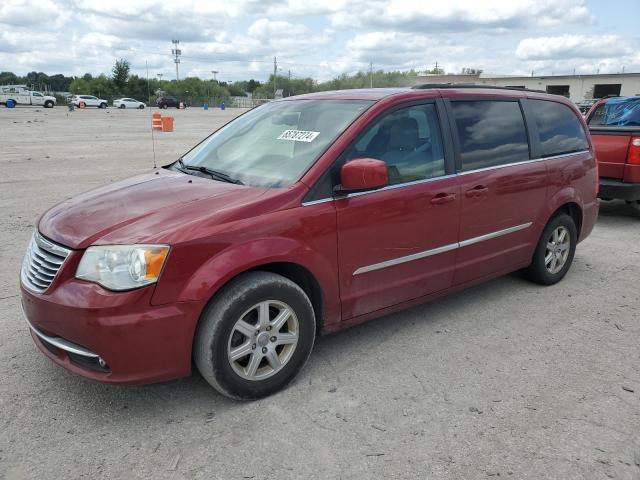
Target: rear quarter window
(490, 133)
(559, 130)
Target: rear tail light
(633, 157)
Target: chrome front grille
(41, 263)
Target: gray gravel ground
(507, 379)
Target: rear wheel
(554, 254)
(255, 335)
(122, 105)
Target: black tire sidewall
(220, 317)
(538, 267)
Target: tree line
(193, 90)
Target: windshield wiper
(214, 174)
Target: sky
(239, 39)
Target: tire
(555, 250)
(635, 204)
(122, 106)
(48, 104)
(234, 311)
(141, 107)
(164, 106)
(103, 105)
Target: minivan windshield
(273, 145)
(617, 112)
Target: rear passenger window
(559, 130)
(490, 133)
(408, 140)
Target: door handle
(442, 198)
(477, 191)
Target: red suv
(307, 215)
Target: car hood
(143, 209)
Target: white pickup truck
(12, 95)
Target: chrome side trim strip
(438, 250)
(491, 235)
(408, 258)
(428, 180)
(315, 202)
(526, 162)
(61, 343)
(401, 185)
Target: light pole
(215, 72)
(176, 52)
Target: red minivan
(307, 215)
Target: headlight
(122, 267)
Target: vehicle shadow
(616, 209)
(192, 396)
(195, 396)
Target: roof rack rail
(426, 86)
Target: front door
(399, 243)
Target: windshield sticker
(298, 135)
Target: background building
(575, 87)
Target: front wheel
(103, 105)
(255, 335)
(48, 104)
(554, 254)
(141, 107)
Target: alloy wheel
(263, 340)
(557, 251)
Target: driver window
(408, 141)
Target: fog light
(101, 362)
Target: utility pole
(290, 73)
(159, 75)
(146, 64)
(215, 72)
(370, 74)
(275, 73)
(176, 52)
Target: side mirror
(362, 174)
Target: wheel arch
(569, 201)
(302, 277)
(297, 273)
(574, 211)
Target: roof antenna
(153, 138)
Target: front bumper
(112, 337)
(611, 188)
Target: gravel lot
(507, 379)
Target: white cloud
(574, 46)
(321, 39)
(461, 15)
(31, 13)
